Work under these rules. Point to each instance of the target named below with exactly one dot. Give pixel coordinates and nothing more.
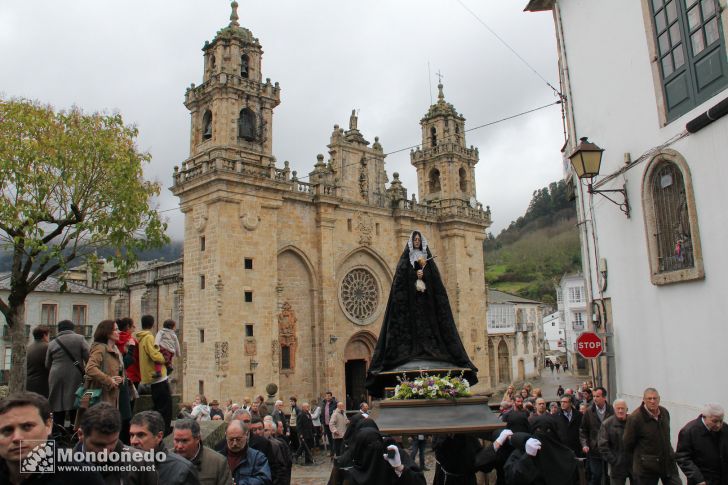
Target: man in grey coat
(66, 371)
(212, 467)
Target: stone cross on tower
(439, 76)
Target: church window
(359, 295)
(673, 239)
(246, 124)
(249, 330)
(248, 263)
(463, 180)
(202, 282)
(433, 136)
(249, 380)
(201, 334)
(434, 180)
(201, 387)
(202, 243)
(244, 66)
(349, 224)
(212, 62)
(285, 357)
(248, 297)
(207, 125)
(376, 228)
(457, 130)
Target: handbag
(85, 398)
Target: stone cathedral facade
(286, 281)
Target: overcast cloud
(329, 56)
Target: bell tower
(233, 107)
(445, 166)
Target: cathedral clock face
(359, 296)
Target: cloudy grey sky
(329, 56)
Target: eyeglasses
(236, 440)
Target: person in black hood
(369, 461)
(455, 456)
(540, 458)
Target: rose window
(359, 295)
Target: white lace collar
(415, 254)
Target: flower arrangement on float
(432, 387)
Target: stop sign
(589, 345)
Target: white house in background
(647, 81)
(554, 335)
(571, 302)
(515, 341)
(48, 305)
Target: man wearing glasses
(248, 466)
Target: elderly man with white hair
(611, 446)
(702, 448)
(279, 416)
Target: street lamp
(587, 160)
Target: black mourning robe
(364, 464)
(554, 464)
(455, 457)
(416, 326)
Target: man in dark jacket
(305, 434)
(37, 377)
(25, 421)
(702, 448)
(569, 420)
(596, 413)
(611, 445)
(516, 419)
(99, 431)
(328, 409)
(281, 456)
(647, 439)
(147, 432)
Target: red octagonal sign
(589, 345)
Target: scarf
(235, 458)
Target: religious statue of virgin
(418, 332)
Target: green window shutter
(691, 52)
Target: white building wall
(553, 332)
(671, 337)
(97, 310)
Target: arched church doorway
(357, 355)
(504, 363)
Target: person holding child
(168, 345)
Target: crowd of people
(545, 442)
(83, 396)
(115, 368)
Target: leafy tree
(71, 183)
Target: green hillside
(532, 254)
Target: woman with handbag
(105, 369)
